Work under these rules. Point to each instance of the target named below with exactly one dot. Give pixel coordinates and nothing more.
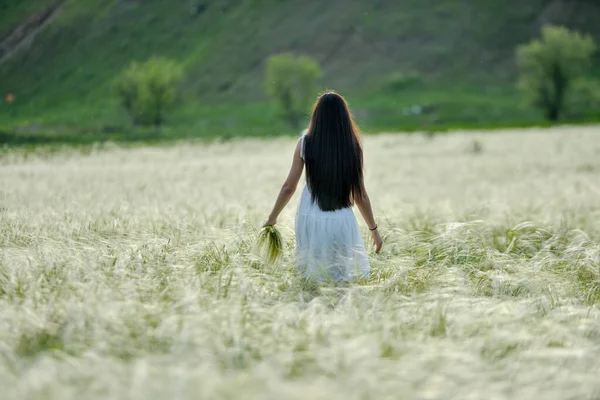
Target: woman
(328, 242)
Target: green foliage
(88, 43)
(62, 97)
(146, 91)
(212, 260)
(403, 80)
(550, 66)
(585, 95)
(127, 88)
(32, 343)
(270, 243)
(291, 82)
(588, 278)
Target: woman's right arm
(364, 206)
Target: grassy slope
(463, 50)
(12, 12)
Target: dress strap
(302, 146)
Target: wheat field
(131, 273)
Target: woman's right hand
(377, 240)
(270, 222)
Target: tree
(550, 66)
(291, 82)
(146, 91)
(127, 88)
(585, 98)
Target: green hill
(59, 57)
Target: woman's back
(308, 206)
(329, 245)
(332, 154)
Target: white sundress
(329, 246)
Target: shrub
(403, 80)
(584, 97)
(291, 82)
(127, 88)
(550, 65)
(146, 91)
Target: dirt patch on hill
(24, 34)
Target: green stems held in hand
(270, 244)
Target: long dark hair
(333, 154)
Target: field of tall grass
(131, 274)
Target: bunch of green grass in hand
(270, 244)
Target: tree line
(553, 69)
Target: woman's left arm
(289, 186)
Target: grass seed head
(270, 244)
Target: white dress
(329, 245)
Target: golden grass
(132, 274)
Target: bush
(584, 98)
(403, 80)
(291, 82)
(549, 66)
(146, 91)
